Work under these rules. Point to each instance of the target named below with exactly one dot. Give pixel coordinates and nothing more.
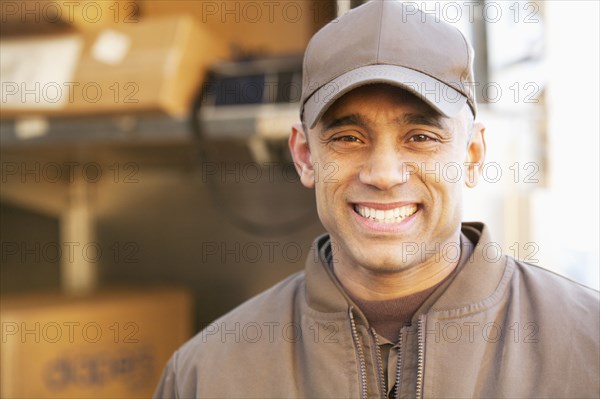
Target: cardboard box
(154, 65)
(253, 27)
(109, 345)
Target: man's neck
(370, 285)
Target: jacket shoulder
(551, 292)
(539, 277)
(233, 342)
(272, 307)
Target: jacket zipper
(379, 365)
(421, 357)
(361, 356)
(362, 363)
(398, 367)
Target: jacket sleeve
(167, 387)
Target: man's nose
(385, 168)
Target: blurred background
(147, 188)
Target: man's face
(388, 173)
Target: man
(399, 299)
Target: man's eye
(348, 139)
(420, 138)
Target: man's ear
(475, 155)
(300, 150)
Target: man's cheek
(326, 172)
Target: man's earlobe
(301, 155)
(475, 155)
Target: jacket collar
(323, 291)
(482, 277)
(478, 280)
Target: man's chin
(389, 260)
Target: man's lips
(386, 212)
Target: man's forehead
(353, 104)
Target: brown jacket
(501, 329)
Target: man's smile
(386, 213)
(385, 216)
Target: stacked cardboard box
(253, 27)
(109, 345)
(155, 64)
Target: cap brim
(441, 97)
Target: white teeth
(395, 215)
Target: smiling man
(399, 299)
(389, 213)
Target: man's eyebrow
(422, 119)
(407, 119)
(352, 119)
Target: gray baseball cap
(387, 41)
